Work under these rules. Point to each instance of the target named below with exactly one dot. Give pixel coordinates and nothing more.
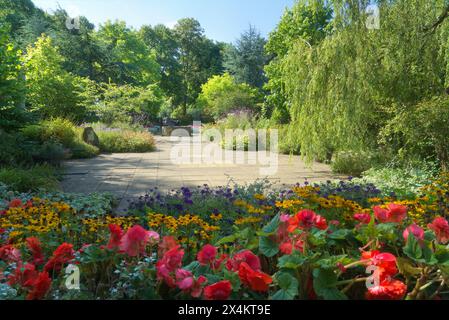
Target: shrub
(57, 130)
(12, 118)
(51, 90)
(404, 182)
(60, 132)
(50, 152)
(243, 141)
(29, 179)
(236, 121)
(351, 162)
(82, 150)
(287, 142)
(222, 94)
(241, 120)
(237, 143)
(33, 132)
(125, 141)
(14, 149)
(128, 103)
(100, 126)
(245, 120)
(287, 148)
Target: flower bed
(329, 241)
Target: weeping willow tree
(344, 91)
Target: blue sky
(223, 20)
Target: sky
(223, 20)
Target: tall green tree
(11, 84)
(307, 22)
(32, 28)
(82, 51)
(129, 61)
(199, 57)
(163, 42)
(222, 94)
(247, 59)
(51, 90)
(348, 88)
(15, 13)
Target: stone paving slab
(131, 175)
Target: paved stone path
(131, 175)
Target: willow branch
(440, 20)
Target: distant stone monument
(90, 137)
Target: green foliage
(14, 149)
(246, 60)
(126, 141)
(324, 284)
(88, 205)
(81, 150)
(347, 88)
(420, 252)
(56, 130)
(49, 134)
(199, 57)
(12, 115)
(267, 242)
(52, 91)
(245, 121)
(222, 95)
(405, 182)
(132, 61)
(289, 287)
(15, 13)
(163, 42)
(29, 179)
(49, 152)
(287, 142)
(67, 70)
(129, 104)
(352, 162)
(84, 54)
(242, 121)
(421, 132)
(306, 22)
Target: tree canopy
(246, 60)
(199, 57)
(222, 95)
(11, 85)
(306, 22)
(346, 89)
